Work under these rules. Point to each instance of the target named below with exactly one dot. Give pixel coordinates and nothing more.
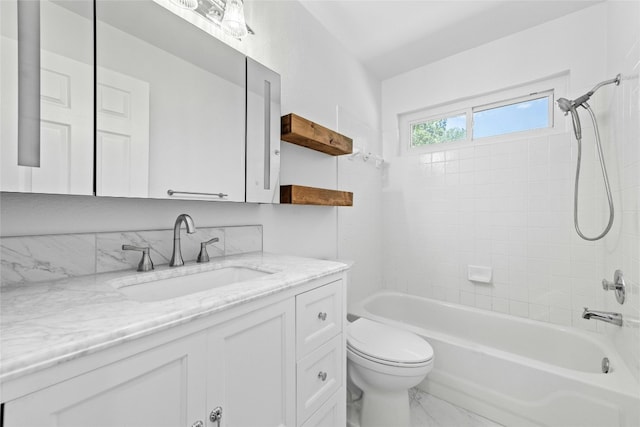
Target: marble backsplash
(28, 259)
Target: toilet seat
(363, 356)
(387, 345)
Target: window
(435, 131)
(484, 117)
(530, 113)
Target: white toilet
(384, 363)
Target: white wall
(621, 248)
(318, 75)
(508, 204)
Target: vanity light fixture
(225, 14)
(233, 20)
(186, 4)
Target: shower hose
(578, 132)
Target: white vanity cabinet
(246, 360)
(158, 387)
(321, 356)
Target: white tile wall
(509, 204)
(621, 248)
(359, 237)
(509, 216)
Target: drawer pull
(322, 316)
(176, 192)
(322, 375)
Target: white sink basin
(173, 287)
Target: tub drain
(605, 365)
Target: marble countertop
(44, 324)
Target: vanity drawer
(318, 317)
(330, 414)
(319, 375)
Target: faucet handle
(145, 263)
(203, 256)
(618, 285)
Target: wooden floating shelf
(300, 131)
(300, 195)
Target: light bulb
(233, 20)
(186, 4)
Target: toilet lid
(387, 343)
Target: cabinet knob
(322, 316)
(198, 424)
(322, 375)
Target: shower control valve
(617, 285)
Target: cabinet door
(159, 387)
(46, 78)
(186, 131)
(263, 134)
(251, 368)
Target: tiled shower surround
(507, 206)
(27, 259)
(507, 203)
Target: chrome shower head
(565, 105)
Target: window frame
(468, 121)
(553, 87)
(549, 94)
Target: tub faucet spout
(605, 316)
(176, 257)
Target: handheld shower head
(565, 105)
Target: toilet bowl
(384, 362)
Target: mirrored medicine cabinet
(178, 113)
(46, 107)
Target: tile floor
(429, 411)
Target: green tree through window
(437, 131)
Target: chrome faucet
(605, 316)
(176, 257)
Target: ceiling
(391, 37)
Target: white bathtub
(515, 371)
